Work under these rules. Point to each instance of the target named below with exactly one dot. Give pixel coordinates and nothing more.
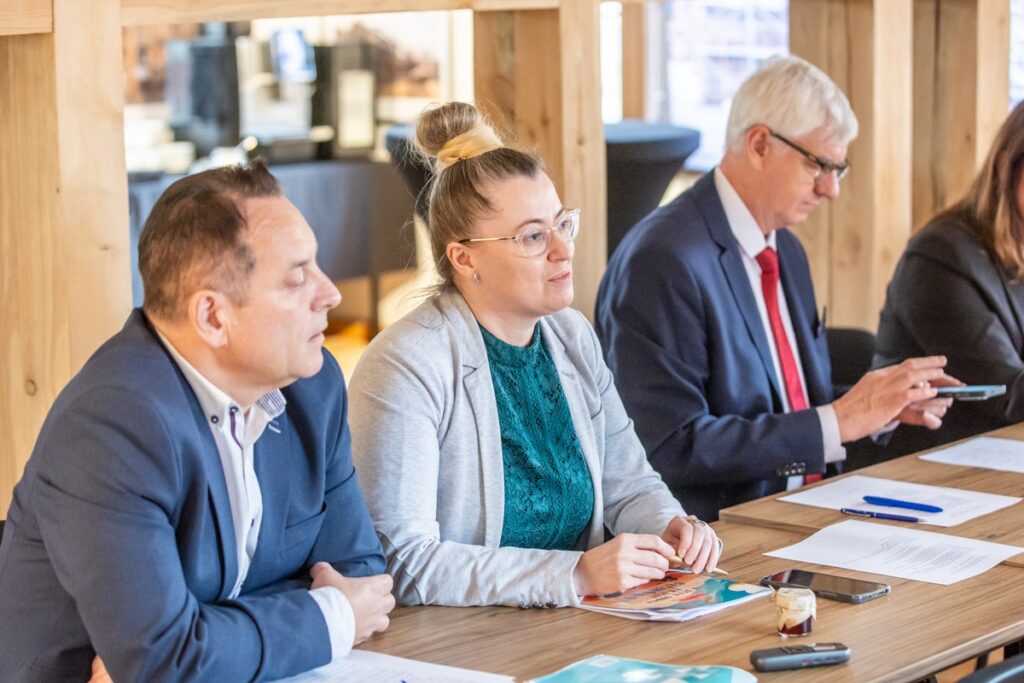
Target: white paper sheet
(1005, 455)
(895, 551)
(958, 505)
(372, 667)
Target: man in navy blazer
(708, 319)
(190, 510)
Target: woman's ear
(462, 259)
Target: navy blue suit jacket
(119, 540)
(680, 328)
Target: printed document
(895, 551)
(372, 667)
(990, 453)
(958, 505)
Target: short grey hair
(792, 97)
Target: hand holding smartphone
(972, 392)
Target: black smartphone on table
(827, 585)
(972, 392)
(799, 656)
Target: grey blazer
(427, 445)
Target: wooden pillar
(64, 264)
(961, 95)
(865, 46)
(538, 72)
(25, 16)
(634, 60)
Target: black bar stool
(643, 158)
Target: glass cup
(797, 609)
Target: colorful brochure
(677, 597)
(607, 669)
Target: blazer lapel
(710, 206)
(271, 466)
(1014, 292)
(806, 327)
(479, 388)
(220, 504)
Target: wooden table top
(916, 630)
(1002, 526)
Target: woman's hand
(626, 561)
(694, 542)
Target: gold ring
(692, 519)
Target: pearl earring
(475, 277)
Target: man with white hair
(708, 319)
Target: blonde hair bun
(454, 132)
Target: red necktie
(769, 262)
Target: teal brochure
(608, 669)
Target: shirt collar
(744, 228)
(218, 406)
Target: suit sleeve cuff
(879, 435)
(341, 621)
(831, 445)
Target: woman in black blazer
(958, 290)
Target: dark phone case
(798, 657)
(841, 597)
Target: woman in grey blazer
(958, 290)
(488, 435)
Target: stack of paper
(371, 667)
(606, 669)
(678, 597)
(958, 505)
(1005, 455)
(896, 551)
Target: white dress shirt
(235, 432)
(752, 242)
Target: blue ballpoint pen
(878, 515)
(906, 504)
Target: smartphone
(799, 656)
(972, 392)
(828, 585)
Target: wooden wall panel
(634, 60)
(34, 358)
(137, 12)
(64, 286)
(853, 244)
(538, 73)
(19, 17)
(961, 95)
(809, 38)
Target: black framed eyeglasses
(824, 165)
(534, 241)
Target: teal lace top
(549, 497)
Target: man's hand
(695, 543)
(626, 561)
(99, 671)
(369, 596)
(926, 413)
(884, 395)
